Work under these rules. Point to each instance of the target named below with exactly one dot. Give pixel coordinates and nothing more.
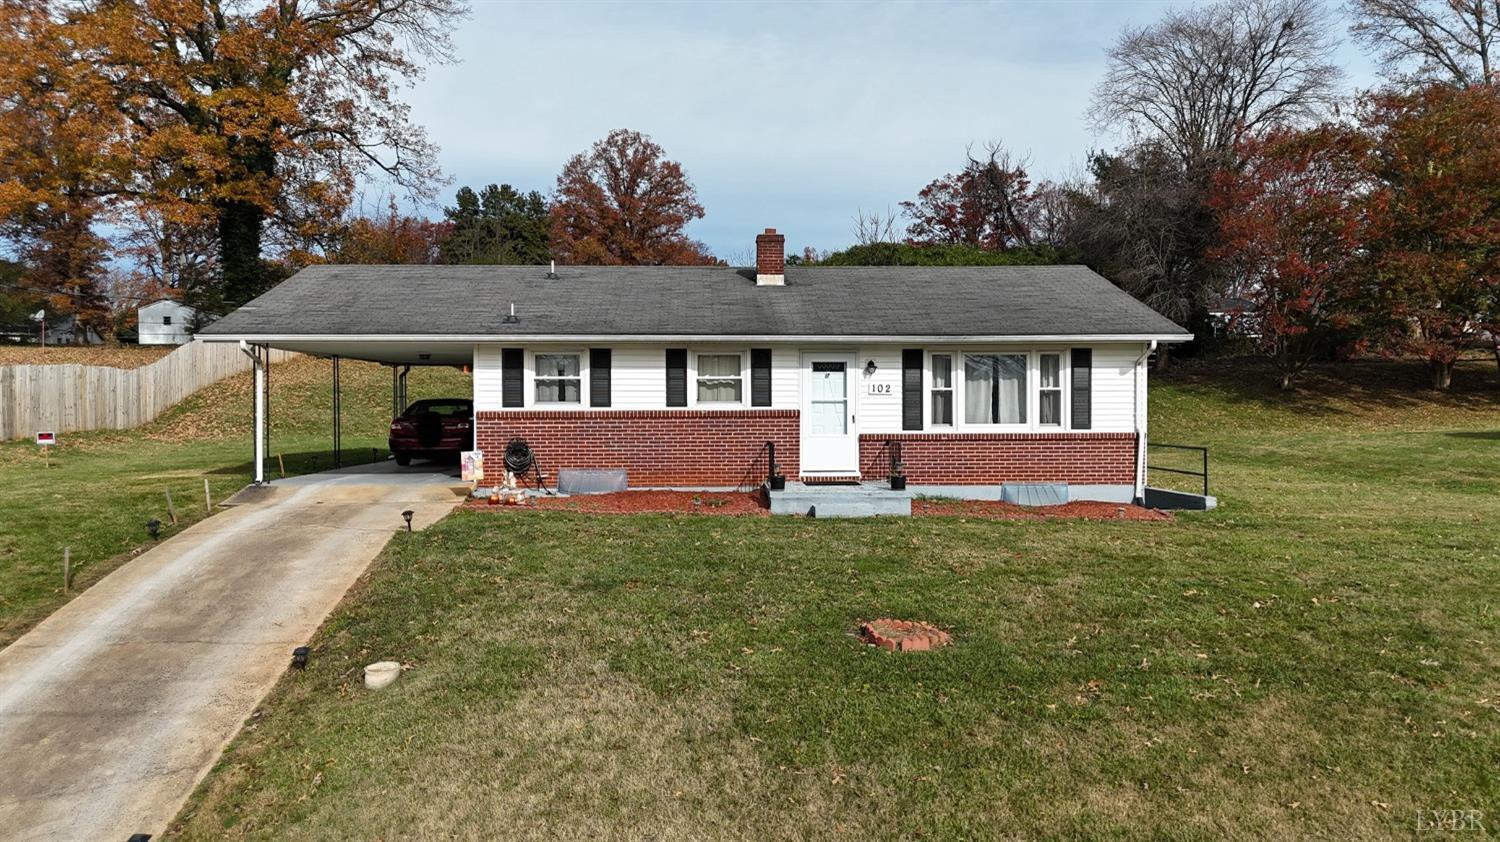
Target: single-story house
(682, 375)
(165, 322)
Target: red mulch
(997, 510)
(647, 502)
(752, 503)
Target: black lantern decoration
(407, 516)
(299, 657)
(898, 469)
(774, 479)
(870, 367)
(153, 526)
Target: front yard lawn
(1317, 657)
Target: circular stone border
(903, 635)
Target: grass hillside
(102, 486)
(1317, 658)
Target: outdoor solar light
(870, 367)
(407, 515)
(153, 526)
(299, 657)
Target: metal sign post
(46, 440)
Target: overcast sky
(788, 115)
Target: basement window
(558, 378)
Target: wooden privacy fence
(67, 398)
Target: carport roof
(470, 303)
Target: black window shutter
(760, 376)
(911, 389)
(1083, 388)
(676, 377)
(599, 361)
(512, 379)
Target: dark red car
(433, 429)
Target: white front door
(830, 444)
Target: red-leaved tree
(389, 237)
(623, 203)
(986, 205)
(1436, 234)
(1293, 228)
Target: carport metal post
(258, 360)
(338, 443)
(395, 390)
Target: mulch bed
(752, 504)
(996, 510)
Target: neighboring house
(65, 330)
(1234, 315)
(681, 375)
(165, 322)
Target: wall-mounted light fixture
(870, 367)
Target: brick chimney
(770, 259)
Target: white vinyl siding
(638, 380)
(637, 375)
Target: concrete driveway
(113, 708)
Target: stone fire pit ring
(903, 635)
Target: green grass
(101, 487)
(1317, 657)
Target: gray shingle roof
(695, 301)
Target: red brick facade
(723, 447)
(993, 458)
(656, 447)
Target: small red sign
(46, 439)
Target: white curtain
(979, 389)
(995, 389)
(719, 378)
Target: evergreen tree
(497, 225)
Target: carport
(399, 353)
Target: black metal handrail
(1203, 473)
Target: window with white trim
(558, 379)
(721, 378)
(1049, 404)
(942, 390)
(995, 388)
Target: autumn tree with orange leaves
(1435, 235)
(59, 139)
(1293, 239)
(623, 203)
(254, 119)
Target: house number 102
(880, 388)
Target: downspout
(260, 410)
(1140, 423)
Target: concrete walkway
(113, 708)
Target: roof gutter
(259, 338)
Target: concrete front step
(865, 500)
